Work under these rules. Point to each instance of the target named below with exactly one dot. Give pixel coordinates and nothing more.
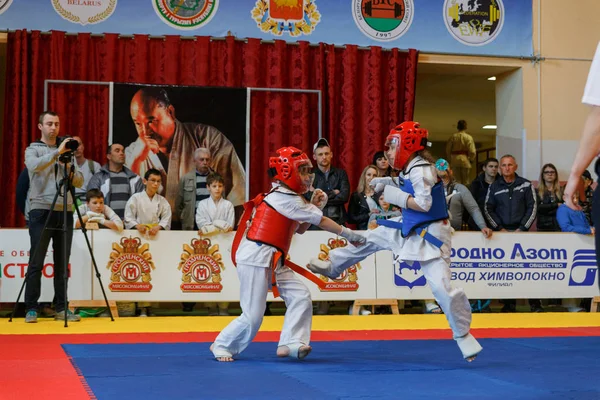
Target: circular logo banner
(383, 20)
(186, 14)
(474, 22)
(4, 4)
(84, 12)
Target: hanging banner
(490, 27)
(162, 126)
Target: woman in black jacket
(549, 197)
(361, 204)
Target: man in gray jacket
(45, 172)
(192, 189)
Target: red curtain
(364, 93)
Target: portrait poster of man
(162, 126)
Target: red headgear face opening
(293, 168)
(403, 141)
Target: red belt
(299, 270)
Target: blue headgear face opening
(441, 164)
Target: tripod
(66, 186)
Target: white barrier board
(181, 266)
(509, 265)
(14, 258)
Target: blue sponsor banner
(487, 27)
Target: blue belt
(419, 231)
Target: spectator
(586, 202)
(480, 185)
(166, 144)
(386, 210)
(116, 182)
(333, 181)
(549, 197)
(574, 221)
(460, 151)
(215, 215)
(44, 167)
(87, 167)
(94, 210)
(459, 198)
(382, 164)
(148, 212)
(193, 189)
(511, 207)
(361, 204)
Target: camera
(71, 145)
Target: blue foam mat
(508, 369)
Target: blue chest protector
(412, 219)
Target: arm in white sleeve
(165, 214)
(228, 216)
(203, 215)
(131, 213)
(423, 179)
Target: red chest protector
(267, 226)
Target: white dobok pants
(254, 285)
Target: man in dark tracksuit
(510, 206)
(333, 181)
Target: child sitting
(94, 210)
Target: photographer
(45, 172)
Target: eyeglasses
(549, 172)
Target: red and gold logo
(295, 17)
(348, 280)
(201, 267)
(130, 266)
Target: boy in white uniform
(259, 249)
(421, 234)
(215, 215)
(148, 211)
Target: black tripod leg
(37, 248)
(67, 186)
(89, 246)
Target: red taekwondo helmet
(292, 167)
(403, 141)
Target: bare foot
(303, 351)
(222, 358)
(470, 359)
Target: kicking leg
(454, 303)
(295, 335)
(254, 284)
(345, 257)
